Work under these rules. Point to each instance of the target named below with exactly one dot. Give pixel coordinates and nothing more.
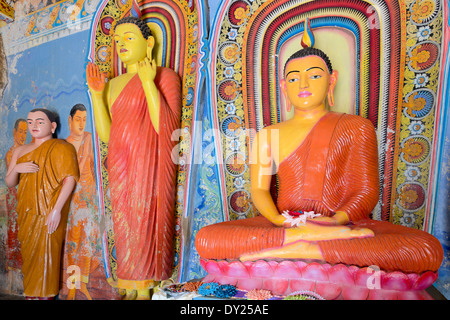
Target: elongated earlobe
(150, 46)
(333, 81)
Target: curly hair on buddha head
(145, 30)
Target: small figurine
(46, 171)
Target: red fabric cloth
(142, 178)
(37, 195)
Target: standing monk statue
(46, 171)
(326, 162)
(136, 114)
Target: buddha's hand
(26, 167)
(339, 218)
(95, 79)
(53, 220)
(279, 221)
(147, 70)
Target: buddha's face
(20, 134)
(77, 123)
(307, 82)
(40, 125)
(130, 43)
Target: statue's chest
(291, 139)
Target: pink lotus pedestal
(337, 282)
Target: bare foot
(301, 242)
(297, 250)
(316, 232)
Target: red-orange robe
(37, 195)
(334, 169)
(142, 177)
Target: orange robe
(83, 247)
(142, 177)
(37, 194)
(334, 169)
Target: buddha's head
(134, 40)
(42, 123)
(20, 131)
(308, 80)
(77, 119)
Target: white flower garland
(301, 219)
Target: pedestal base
(332, 282)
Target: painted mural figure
(326, 162)
(14, 259)
(83, 247)
(136, 114)
(46, 172)
(19, 135)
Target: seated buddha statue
(327, 163)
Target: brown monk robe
(327, 163)
(37, 194)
